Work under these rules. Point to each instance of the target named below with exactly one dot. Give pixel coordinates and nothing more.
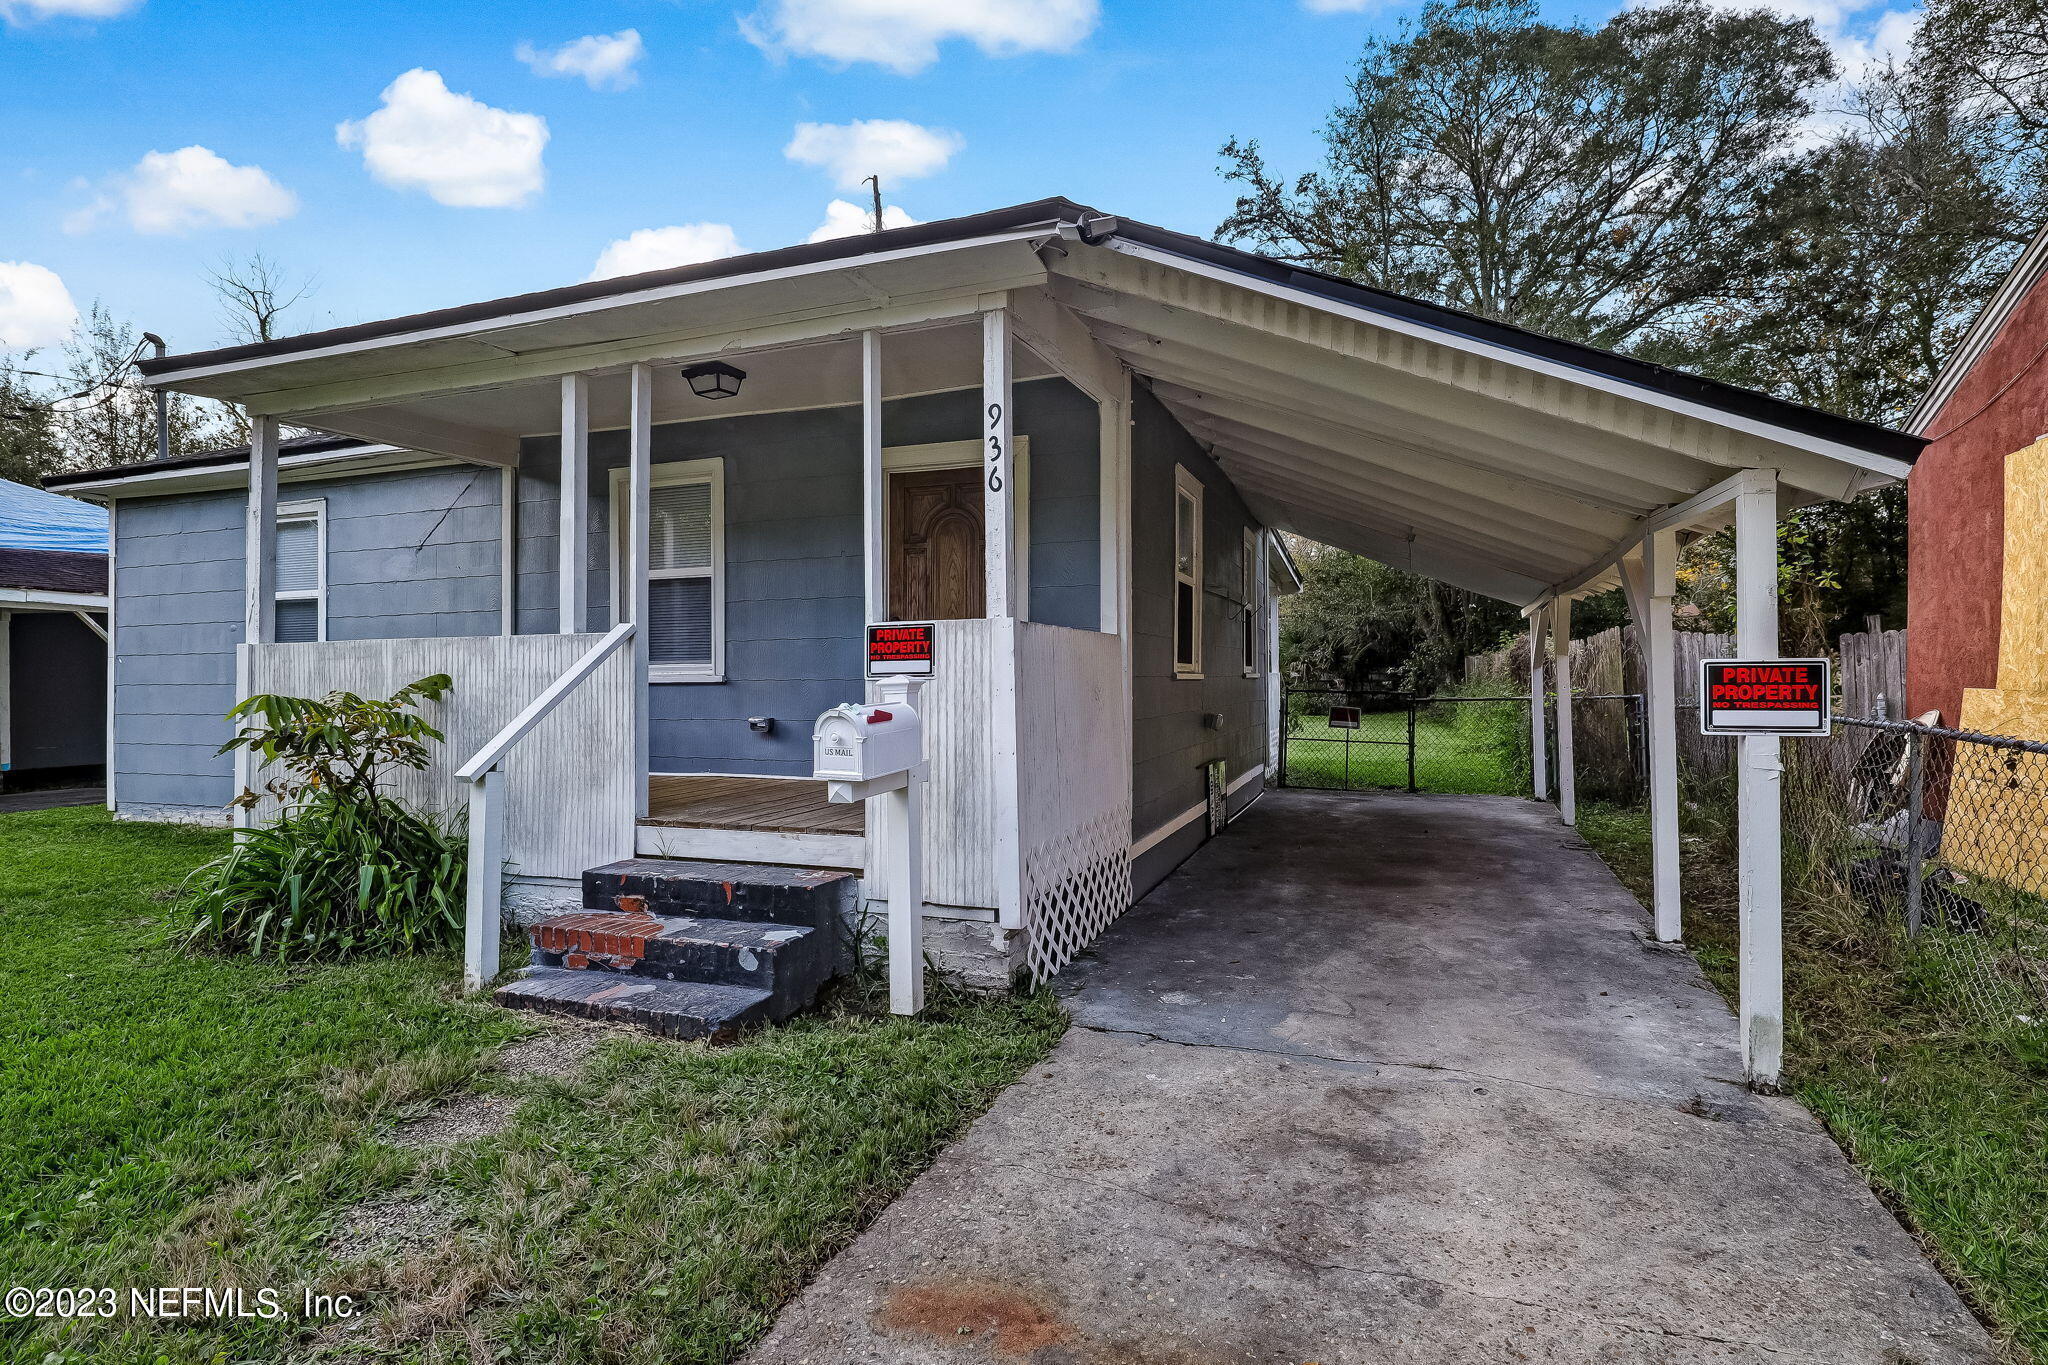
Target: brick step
(817, 898)
(675, 1009)
(790, 961)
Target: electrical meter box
(859, 742)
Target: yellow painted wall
(1997, 818)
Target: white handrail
(537, 710)
(487, 812)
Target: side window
(1248, 595)
(1187, 574)
(685, 569)
(301, 572)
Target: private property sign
(1764, 697)
(901, 649)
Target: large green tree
(1601, 184)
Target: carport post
(1757, 804)
(1650, 579)
(1561, 646)
(259, 584)
(1539, 726)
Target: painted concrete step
(791, 961)
(818, 897)
(675, 1009)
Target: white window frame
(710, 472)
(1248, 610)
(1185, 483)
(315, 511)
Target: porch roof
(1510, 463)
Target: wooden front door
(935, 545)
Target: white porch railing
(1073, 792)
(568, 798)
(485, 774)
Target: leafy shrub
(345, 869)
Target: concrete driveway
(1383, 1079)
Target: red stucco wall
(1956, 514)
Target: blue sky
(143, 140)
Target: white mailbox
(858, 742)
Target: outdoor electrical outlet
(761, 725)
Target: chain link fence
(1937, 836)
(1926, 844)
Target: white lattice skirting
(1075, 885)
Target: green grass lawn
(1470, 748)
(1946, 1115)
(168, 1120)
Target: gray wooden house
(1070, 439)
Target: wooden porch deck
(776, 805)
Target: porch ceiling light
(714, 379)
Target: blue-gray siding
(1170, 744)
(411, 554)
(416, 554)
(794, 609)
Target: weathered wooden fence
(1870, 664)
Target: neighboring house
(1070, 440)
(53, 650)
(1977, 647)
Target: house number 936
(995, 447)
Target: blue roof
(32, 519)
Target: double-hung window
(301, 608)
(685, 569)
(1187, 574)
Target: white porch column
(508, 551)
(874, 482)
(998, 484)
(259, 541)
(640, 488)
(1758, 807)
(1658, 584)
(1539, 717)
(1561, 645)
(572, 576)
(259, 580)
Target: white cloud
(889, 147)
(904, 35)
(455, 147)
(662, 247)
(35, 307)
(28, 11)
(1862, 34)
(851, 220)
(188, 190)
(604, 61)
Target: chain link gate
(1338, 740)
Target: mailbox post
(876, 753)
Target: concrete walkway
(1381, 1079)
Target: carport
(1519, 466)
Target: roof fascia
(1991, 319)
(171, 376)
